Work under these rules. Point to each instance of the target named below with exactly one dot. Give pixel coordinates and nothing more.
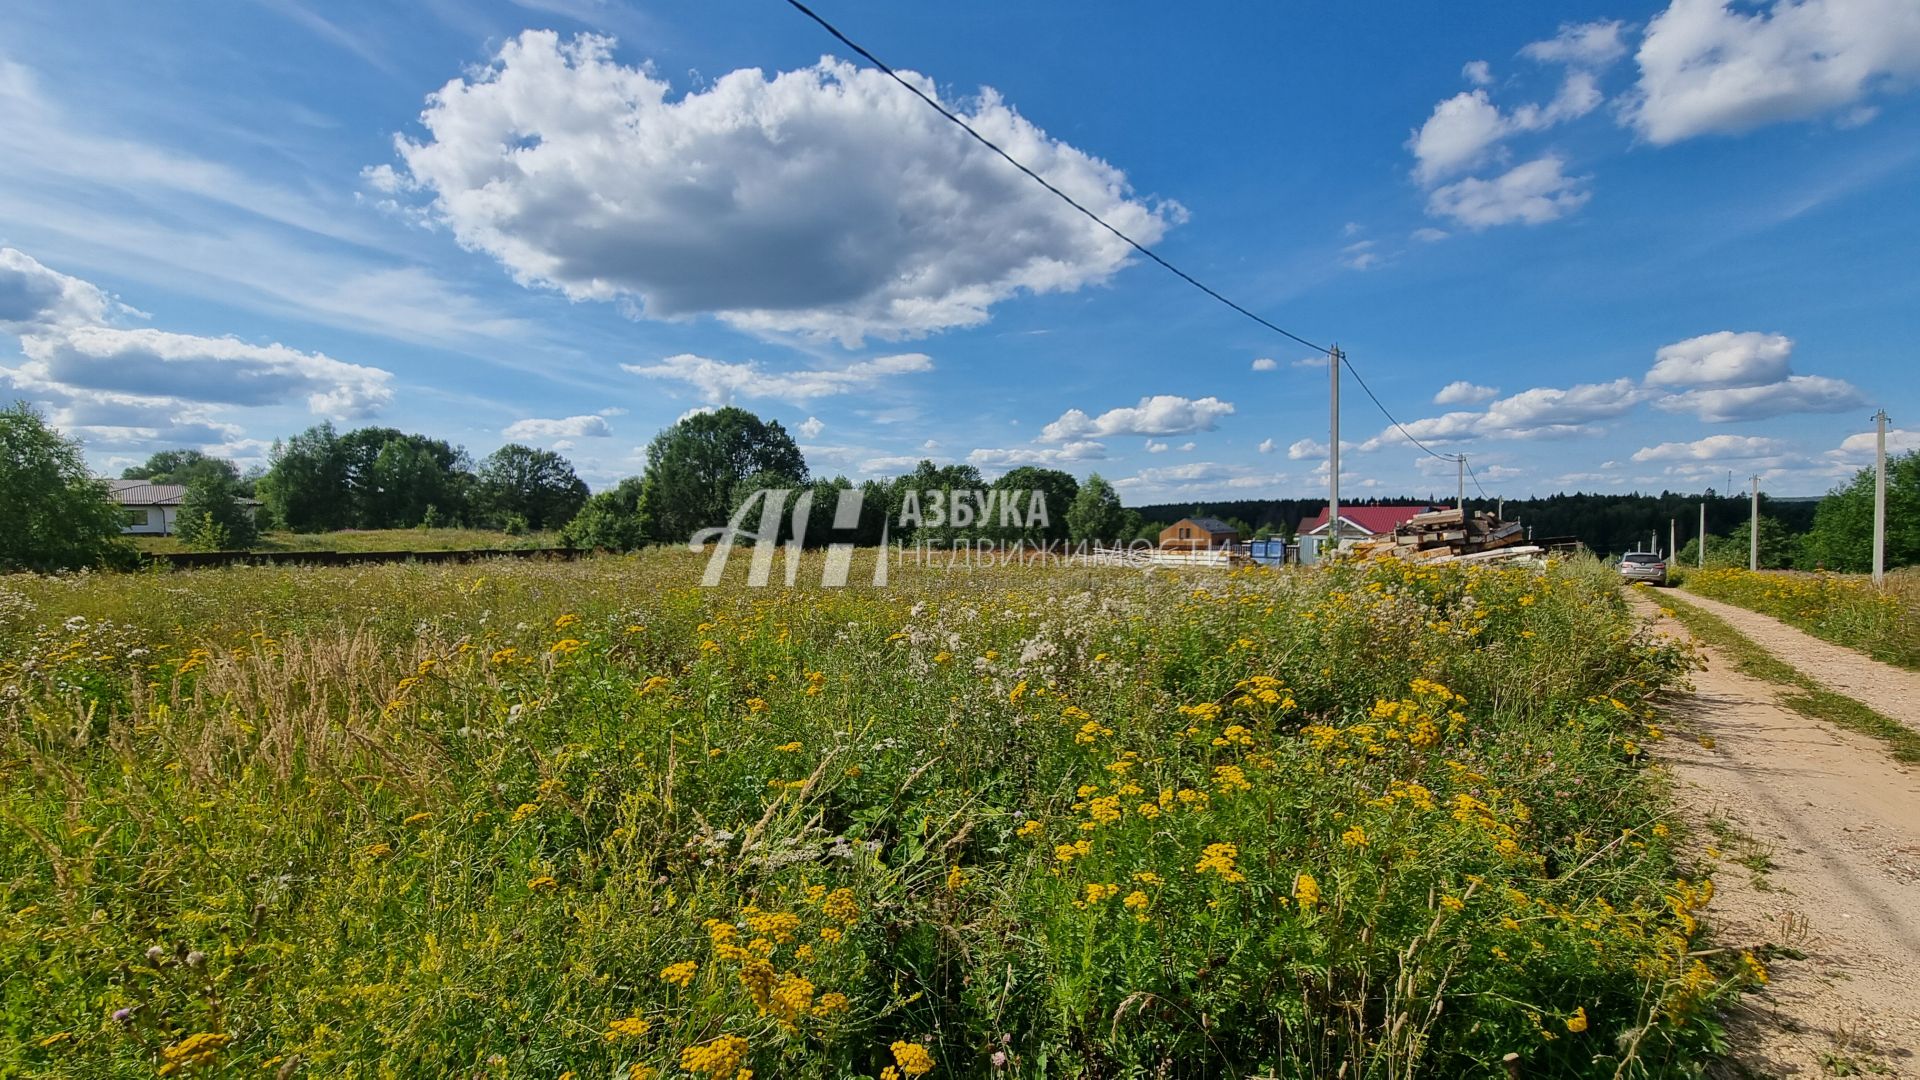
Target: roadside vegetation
(532, 818)
(1845, 609)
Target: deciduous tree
(537, 486)
(1096, 514)
(697, 468)
(58, 516)
(1842, 534)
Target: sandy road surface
(1891, 691)
(1839, 822)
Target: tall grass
(533, 819)
(1842, 608)
(421, 539)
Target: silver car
(1643, 566)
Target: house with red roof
(1356, 523)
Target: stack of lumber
(1446, 536)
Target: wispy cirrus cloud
(720, 382)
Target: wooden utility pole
(1880, 497)
(1332, 540)
(1753, 529)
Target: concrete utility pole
(1460, 470)
(1701, 555)
(1753, 529)
(1673, 534)
(1332, 540)
(1880, 497)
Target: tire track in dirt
(1891, 691)
(1835, 823)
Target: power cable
(1476, 481)
(1333, 354)
(1408, 435)
(1042, 181)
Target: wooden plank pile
(1443, 537)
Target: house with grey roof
(153, 509)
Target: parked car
(1643, 566)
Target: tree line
(322, 480)
(701, 471)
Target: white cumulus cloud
(1532, 194)
(33, 297)
(535, 429)
(826, 201)
(1465, 130)
(1161, 414)
(1794, 394)
(1462, 392)
(1457, 136)
(142, 389)
(1713, 448)
(1746, 375)
(1723, 359)
(1860, 448)
(1265, 363)
(1547, 410)
(1708, 66)
(225, 371)
(1541, 412)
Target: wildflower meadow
(589, 819)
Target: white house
(154, 509)
(149, 508)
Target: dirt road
(1889, 690)
(1818, 842)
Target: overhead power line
(1476, 482)
(1042, 181)
(1333, 355)
(1383, 412)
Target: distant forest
(1609, 524)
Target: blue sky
(1599, 247)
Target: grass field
(587, 818)
(1842, 608)
(371, 540)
